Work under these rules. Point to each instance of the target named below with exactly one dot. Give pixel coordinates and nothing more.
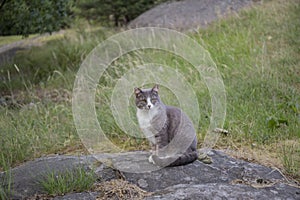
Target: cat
(170, 131)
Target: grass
(258, 56)
(24, 130)
(5, 182)
(77, 180)
(64, 53)
(257, 53)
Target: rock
(78, 196)
(224, 191)
(187, 14)
(26, 178)
(224, 169)
(225, 178)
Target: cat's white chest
(144, 118)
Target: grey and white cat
(170, 132)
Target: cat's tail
(183, 159)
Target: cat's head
(146, 99)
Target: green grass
(290, 157)
(35, 130)
(5, 180)
(39, 66)
(77, 180)
(257, 53)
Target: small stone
(142, 183)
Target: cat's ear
(155, 88)
(137, 91)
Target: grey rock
(142, 183)
(218, 191)
(225, 178)
(188, 14)
(27, 177)
(78, 196)
(224, 169)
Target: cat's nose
(149, 106)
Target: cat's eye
(154, 96)
(141, 98)
(154, 100)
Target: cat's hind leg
(163, 161)
(171, 161)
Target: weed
(76, 180)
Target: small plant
(76, 180)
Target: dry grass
(119, 189)
(283, 156)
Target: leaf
(273, 122)
(283, 121)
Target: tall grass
(34, 130)
(258, 56)
(5, 180)
(39, 64)
(257, 53)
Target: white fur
(149, 103)
(144, 118)
(150, 159)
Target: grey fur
(169, 130)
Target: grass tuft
(77, 180)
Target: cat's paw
(150, 159)
(162, 161)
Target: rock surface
(188, 14)
(225, 178)
(26, 178)
(224, 191)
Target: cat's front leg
(150, 159)
(153, 152)
(153, 148)
(161, 143)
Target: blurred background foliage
(24, 17)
